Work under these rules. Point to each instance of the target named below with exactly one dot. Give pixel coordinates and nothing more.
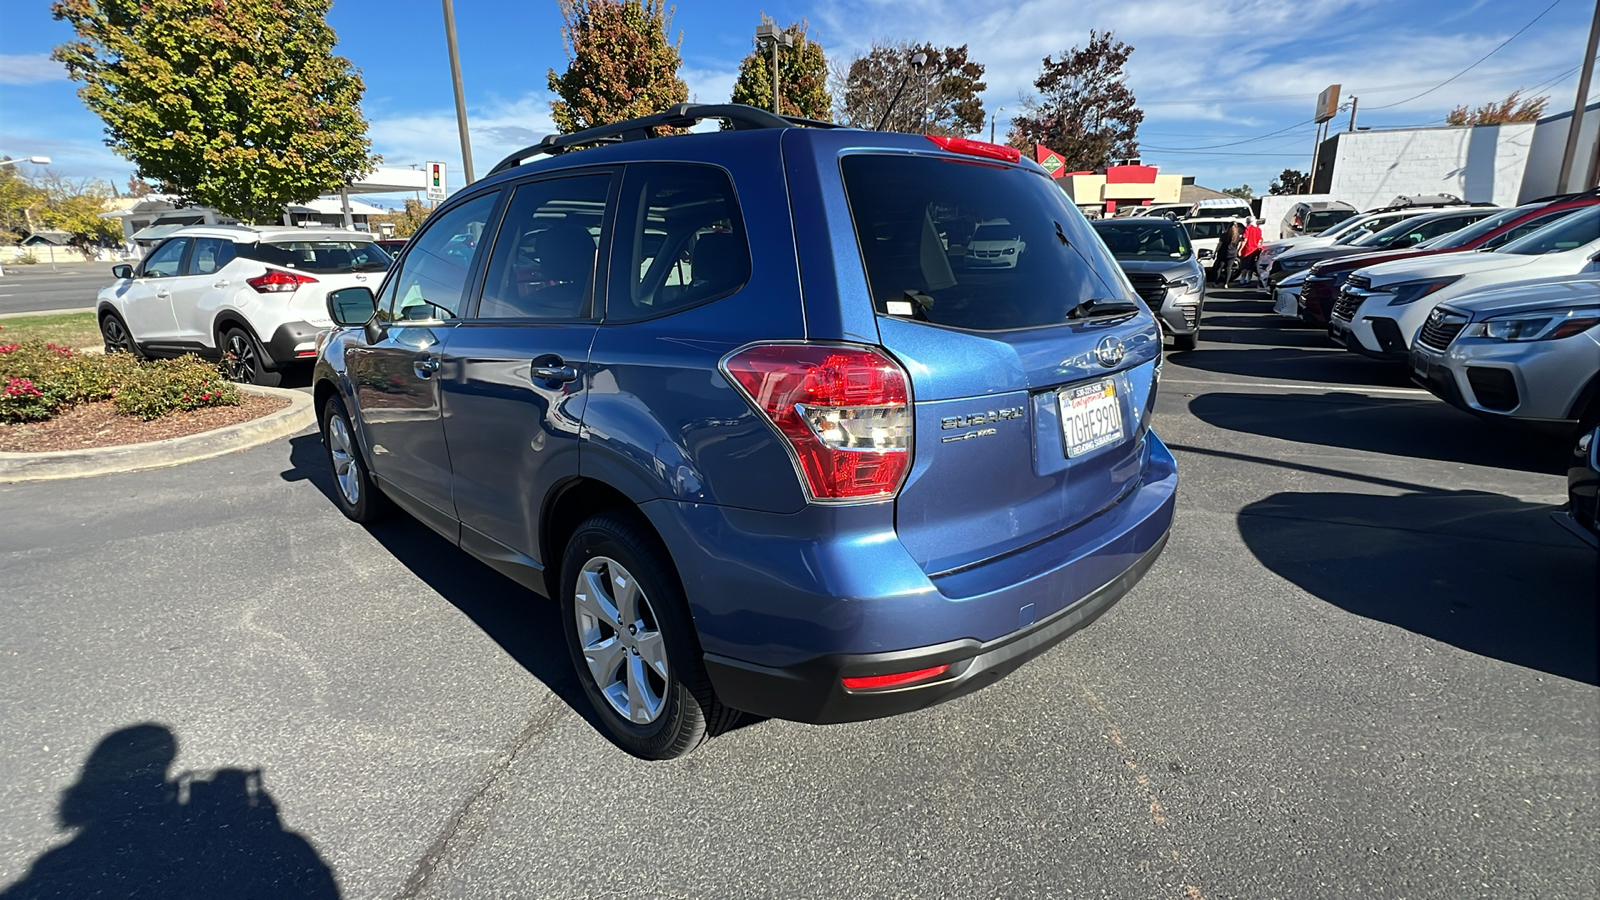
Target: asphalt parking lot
(1365, 666)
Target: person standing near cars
(1227, 255)
(1250, 251)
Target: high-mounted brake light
(277, 281)
(898, 679)
(844, 411)
(977, 148)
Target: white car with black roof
(252, 297)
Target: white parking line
(1321, 388)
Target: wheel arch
(567, 507)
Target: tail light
(844, 412)
(278, 281)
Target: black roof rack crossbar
(681, 115)
(1575, 195)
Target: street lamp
(36, 160)
(918, 60)
(993, 119)
(768, 33)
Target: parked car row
(1495, 311)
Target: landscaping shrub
(40, 379)
(164, 386)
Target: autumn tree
(802, 77)
(18, 199)
(1290, 181)
(74, 206)
(941, 98)
(238, 105)
(1243, 192)
(1514, 108)
(138, 187)
(621, 63)
(406, 221)
(1085, 110)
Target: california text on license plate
(1091, 416)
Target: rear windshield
(976, 245)
(1566, 234)
(1323, 219)
(326, 257)
(1144, 238)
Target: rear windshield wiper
(1099, 307)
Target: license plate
(1419, 366)
(1091, 416)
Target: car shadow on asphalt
(1423, 428)
(141, 832)
(524, 624)
(1489, 574)
(1311, 359)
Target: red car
(1323, 280)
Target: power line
(1358, 90)
(1233, 143)
(1471, 67)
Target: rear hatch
(319, 264)
(1031, 372)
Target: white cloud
(496, 129)
(30, 68)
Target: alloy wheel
(116, 337)
(621, 640)
(242, 360)
(346, 466)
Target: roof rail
(681, 115)
(1575, 195)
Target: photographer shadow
(141, 833)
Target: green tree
(621, 64)
(1085, 110)
(1514, 108)
(1243, 192)
(802, 72)
(1290, 181)
(238, 105)
(949, 84)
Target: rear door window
(976, 245)
(210, 255)
(680, 241)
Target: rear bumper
(813, 691)
(786, 609)
(291, 340)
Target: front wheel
(116, 336)
(633, 643)
(353, 489)
(245, 360)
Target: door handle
(163, 294)
(425, 366)
(553, 373)
(222, 283)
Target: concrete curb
(57, 464)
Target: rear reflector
(844, 412)
(304, 354)
(898, 679)
(278, 281)
(977, 148)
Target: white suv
(1382, 307)
(251, 296)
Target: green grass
(66, 329)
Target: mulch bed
(100, 425)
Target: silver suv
(1528, 353)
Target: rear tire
(633, 643)
(244, 359)
(354, 491)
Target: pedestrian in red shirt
(1249, 252)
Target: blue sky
(1223, 83)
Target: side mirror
(123, 271)
(351, 306)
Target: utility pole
(1353, 101)
(1316, 151)
(1569, 157)
(461, 99)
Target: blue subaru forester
(804, 421)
